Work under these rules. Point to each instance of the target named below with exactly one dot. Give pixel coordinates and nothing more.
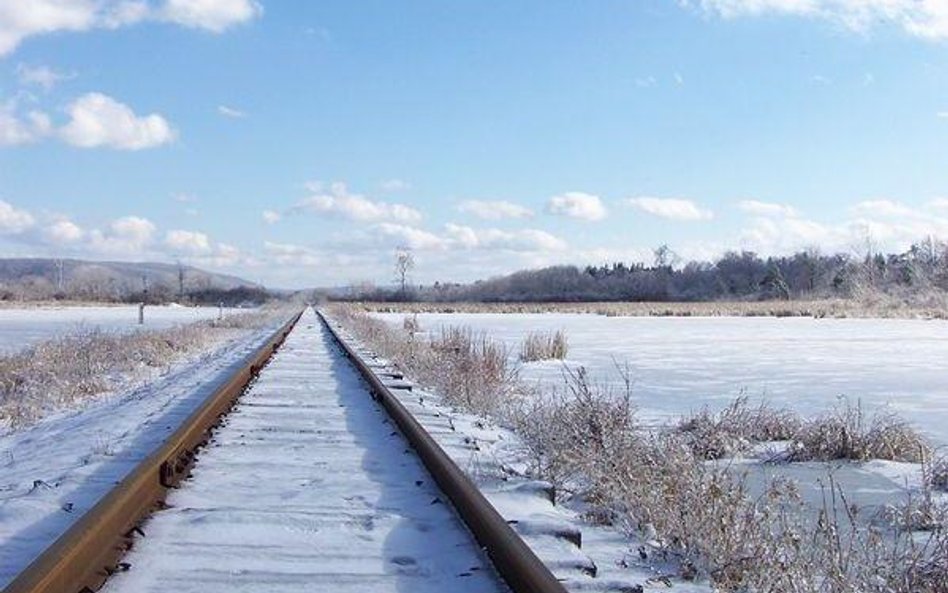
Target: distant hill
(43, 279)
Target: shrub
(736, 427)
(935, 473)
(846, 433)
(544, 346)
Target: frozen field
(681, 364)
(20, 328)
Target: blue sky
(300, 143)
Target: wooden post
(141, 313)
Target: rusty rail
(513, 559)
(88, 552)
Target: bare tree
(665, 257)
(404, 264)
(180, 281)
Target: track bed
(307, 486)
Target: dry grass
(470, 370)
(714, 435)
(936, 473)
(65, 371)
(831, 308)
(847, 433)
(544, 346)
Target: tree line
(736, 275)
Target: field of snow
(23, 327)
(682, 364)
(679, 365)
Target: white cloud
(14, 220)
(758, 208)
(885, 208)
(338, 201)
(494, 209)
(271, 216)
(212, 15)
(187, 242)
(462, 238)
(128, 235)
(231, 112)
(63, 232)
(97, 120)
(578, 205)
(519, 240)
(942, 115)
(290, 254)
(20, 19)
(670, 208)
(16, 129)
(891, 225)
(939, 203)
(410, 237)
(927, 19)
(394, 185)
(41, 76)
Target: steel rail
(516, 563)
(86, 554)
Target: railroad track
(307, 483)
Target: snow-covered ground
(679, 365)
(22, 327)
(307, 487)
(55, 470)
(583, 556)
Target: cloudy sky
(299, 143)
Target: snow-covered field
(679, 365)
(22, 327)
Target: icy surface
(20, 328)
(679, 365)
(54, 471)
(307, 487)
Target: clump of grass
(544, 346)
(472, 368)
(935, 473)
(714, 435)
(570, 434)
(468, 369)
(411, 324)
(847, 433)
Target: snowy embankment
(21, 327)
(583, 555)
(55, 470)
(658, 475)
